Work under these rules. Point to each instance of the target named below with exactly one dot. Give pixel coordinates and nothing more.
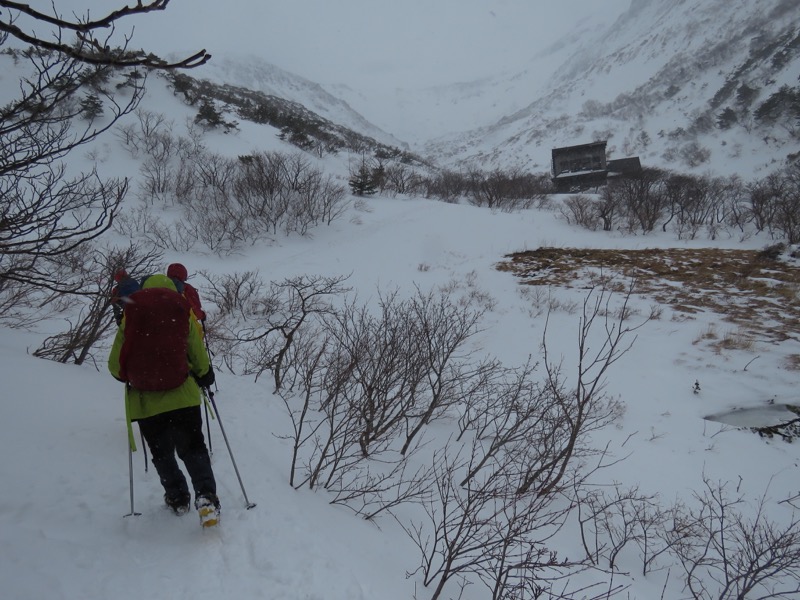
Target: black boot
(178, 504)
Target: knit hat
(120, 274)
(127, 286)
(177, 271)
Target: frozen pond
(770, 415)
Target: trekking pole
(205, 404)
(208, 426)
(131, 445)
(208, 349)
(133, 513)
(210, 395)
(144, 449)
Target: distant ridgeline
(298, 125)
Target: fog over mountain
(654, 81)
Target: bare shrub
(735, 340)
(610, 522)
(485, 531)
(641, 199)
(731, 550)
(498, 497)
(270, 323)
(693, 154)
(607, 207)
(405, 364)
(580, 210)
(94, 319)
(360, 387)
(543, 301)
(231, 203)
(585, 408)
(157, 179)
(448, 186)
(401, 179)
(235, 293)
(503, 190)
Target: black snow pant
(180, 431)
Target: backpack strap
(178, 284)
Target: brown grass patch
(755, 293)
(792, 362)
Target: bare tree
(737, 204)
(484, 529)
(448, 186)
(94, 319)
(286, 308)
(607, 207)
(733, 553)
(582, 211)
(45, 216)
(609, 522)
(91, 48)
(786, 217)
(641, 198)
(503, 487)
(440, 330)
(235, 293)
(584, 407)
(373, 489)
(696, 206)
(763, 200)
(511, 422)
(503, 190)
(400, 179)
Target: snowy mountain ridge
(653, 84)
(258, 75)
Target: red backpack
(153, 356)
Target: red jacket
(194, 300)
(178, 273)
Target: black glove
(207, 380)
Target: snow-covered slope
(65, 467)
(257, 74)
(654, 84)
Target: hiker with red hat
(178, 273)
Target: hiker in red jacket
(178, 273)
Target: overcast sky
(404, 43)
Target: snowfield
(684, 403)
(63, 532)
